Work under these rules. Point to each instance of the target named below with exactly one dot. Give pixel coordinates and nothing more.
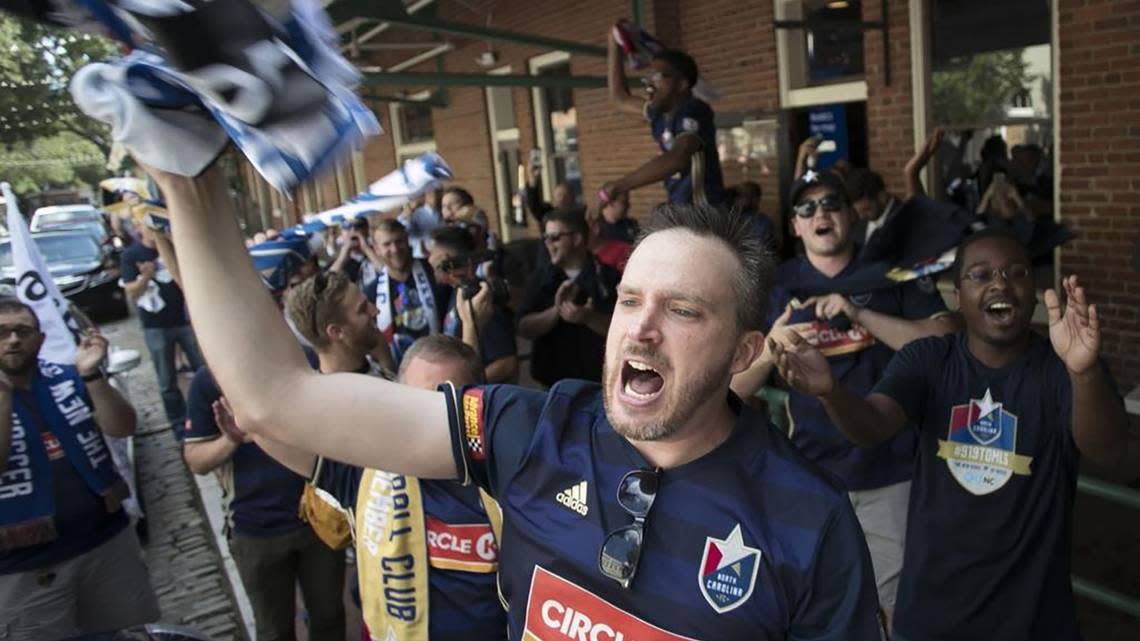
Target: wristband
(92, 377)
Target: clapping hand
(91, 352)
(1075, 331)
(224, 418)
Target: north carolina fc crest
(728, 571)
(980, 449)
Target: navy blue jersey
(746, 542)
(461, 605)
(692, 117)
(857, 361)
(82, 522)
(496, 339)
(162, 305)
(262, 495)
(987, 544)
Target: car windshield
(55, 219)
(69, 248)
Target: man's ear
(748, 347)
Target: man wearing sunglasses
(567, 305)
(683, 126)
(1002, 417)
(722, 531)
(858, 334)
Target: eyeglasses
(556, 236)
(21, 331)
(621, 549)
(806, 209)
(984, 276)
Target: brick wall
(1099, 109)
(890, 119)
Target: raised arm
(615, 77)
(892, 331)
(866, 421)
(1100, 424)
(912, 173)
(166, 252)
(237, 323)
(658, 168)
(114, 415)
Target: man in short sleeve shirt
(1002, 416)
(148, 281)
(682, 125)
(878, 322)
(722, 531)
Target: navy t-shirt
(988, 537)
(461, 605)
(569, 350)
(746, 542)
(496, 338)
(693, 116)
(81, 518)
(162, 305)
(857, 361)
(262, 496)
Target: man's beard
(17, 368)
(680, 405)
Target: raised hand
(91, 352)
(803, 366)
(1075, 331)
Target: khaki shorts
(105, 589)
(882, 513)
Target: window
(556, 121)
(413, 133)
(992, 94)
(505, 153)
(748, 151)
(824, 62)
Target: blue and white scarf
(154, 108)
(384, 318)
(27, 498)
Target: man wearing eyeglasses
(567, 305)
(683, 126)
(70, 564)
(654, 506)
(858, 334)
(1002, 417)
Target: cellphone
(825, 146)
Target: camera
(500, 292)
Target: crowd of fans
(924, 488)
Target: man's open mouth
(640, 381)
(1000, 311)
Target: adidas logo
(574, 497)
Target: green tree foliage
(45, 141)
(979, 89)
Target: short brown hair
(752, 283)
(436, 347)
(390, 226)
(315, 303)
(13, 305)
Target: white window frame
(542, 116)
(792, 63)
(502, 195)
(401, 149)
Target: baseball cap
(812, 178)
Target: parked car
(85, 217)
(85, 272)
